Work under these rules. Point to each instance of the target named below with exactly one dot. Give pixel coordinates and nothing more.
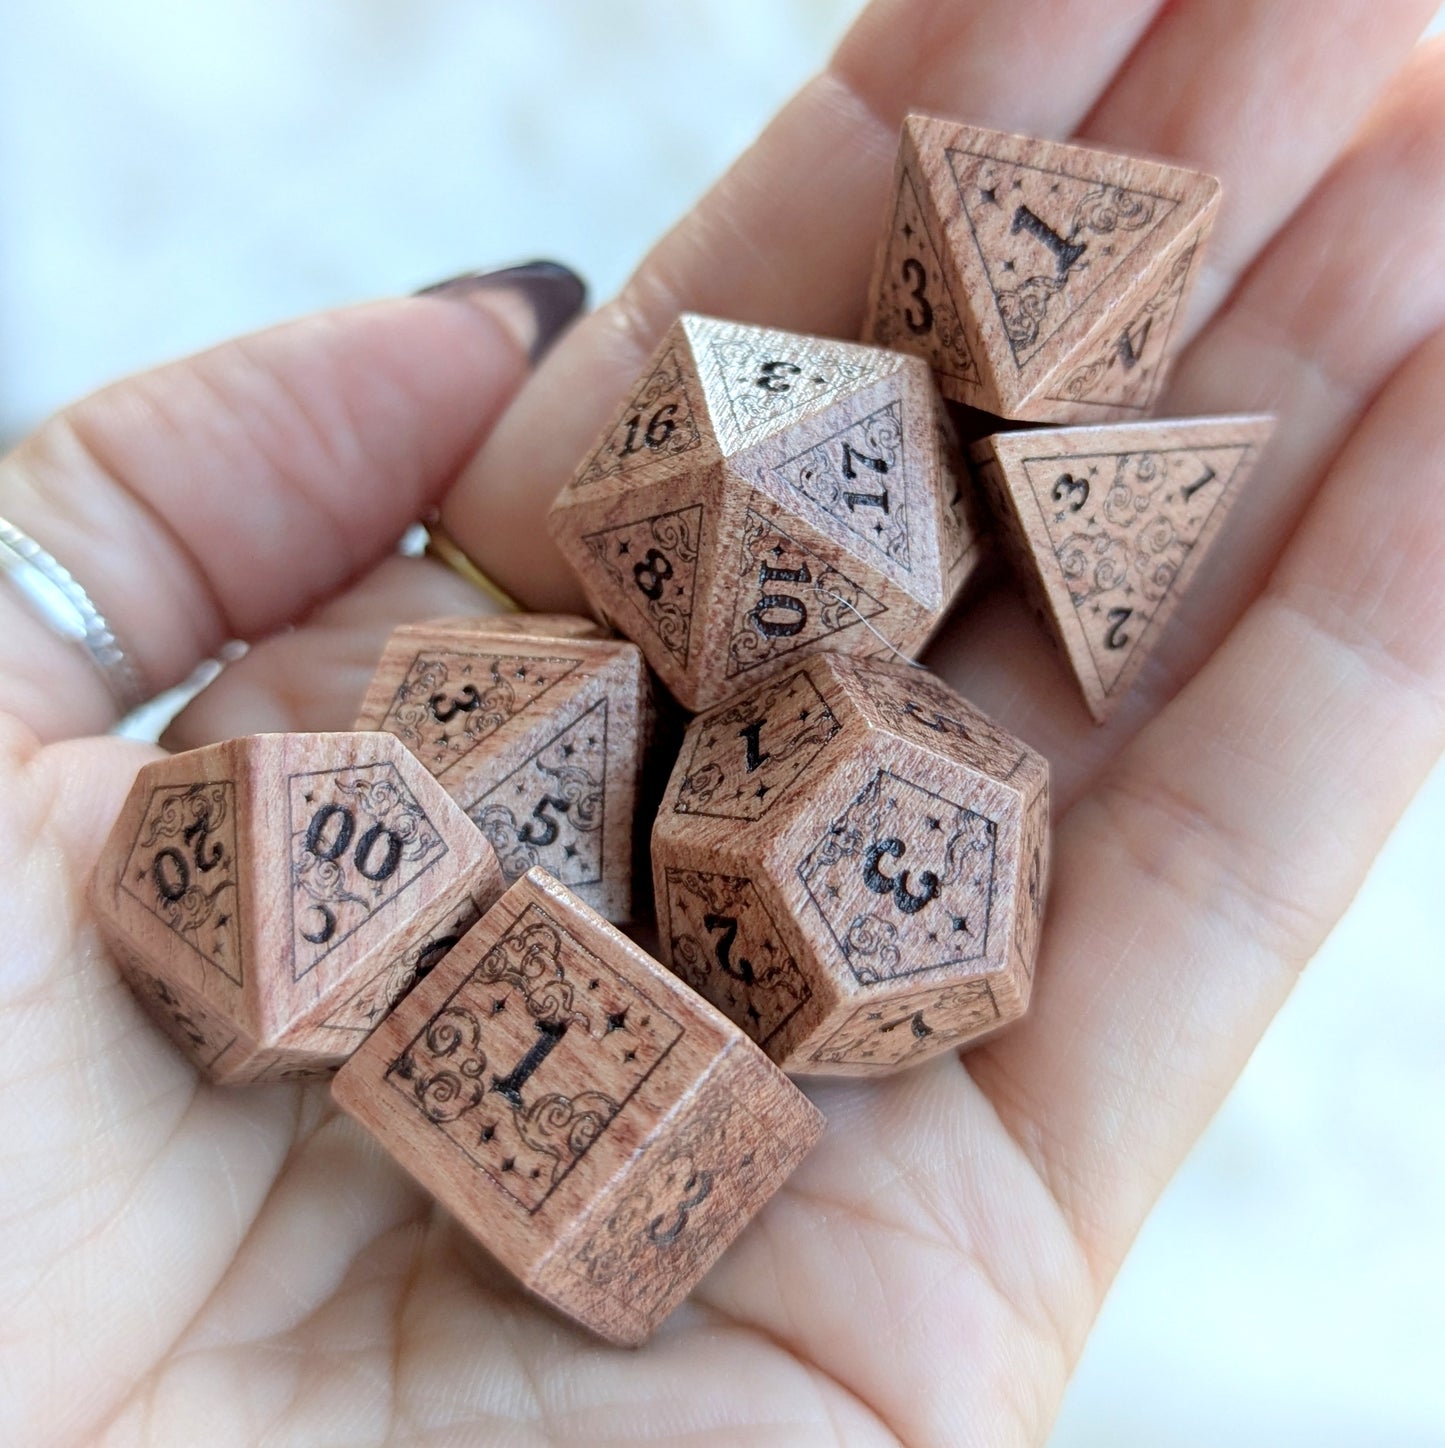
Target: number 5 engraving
(548, 833)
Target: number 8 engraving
(656, 568)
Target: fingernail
(548, 296)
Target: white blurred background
(172, 173)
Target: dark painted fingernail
(553, 296)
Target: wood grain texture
(1040, 281)
(1106, 526)
(761, 495)
(851, 862)
(268, 899)
(599, 1128)
(537, 726)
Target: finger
(1340, 297)
(787, 236)
(1282, 93)
(314, 676)
(1207, 866)
(221, 496)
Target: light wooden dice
(268, 899)
(1106, 527)
(761, 495)
(1040, 281)
(601, 1130)
(537, 726)
(850, 862)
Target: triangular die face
(1121, 526)
(450, 701)
(551, 809)
(915, 308)
(758, 381)
(1127, 369)
(658, 424)
(651, 564)
(183, 869)
(358, 839)
(859, 476)
(1047, 240)
(788, 597)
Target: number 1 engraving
(1066, 253)
(510, 1085)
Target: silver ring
(66, 609)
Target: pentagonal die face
(270, 898)
(763, 495)
(539, 735)
(850, 862)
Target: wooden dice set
(849, 862)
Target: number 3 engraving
(914, 273)
(698, 1187)
(897, 885)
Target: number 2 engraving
(1116, 638)
(723, 948)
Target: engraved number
(1204, 482)
(652, 573)
(913, 272)
(765, 610)
(851, 455)
(915, 1023)
(757, 755)
(662, 1232)
(171, 871)
(195, 836)
(775, 376)
(510, 1085)
(1133, 342)
(660, 427)
(444, 710)
(1073, 490)
(1066, 253)
(171, 874)
(1116, 638)
(364, 855)
(548, 833)
(742, 969)
(897, 885)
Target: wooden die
(537, 726)
(1106, 527)
(850, 862)
(1040, 281)
(761, 495)
(268, 899)
(599, 1128)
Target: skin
(184, 1264)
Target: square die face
(525, 1065)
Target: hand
(176, 1255)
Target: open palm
(182, 1264)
